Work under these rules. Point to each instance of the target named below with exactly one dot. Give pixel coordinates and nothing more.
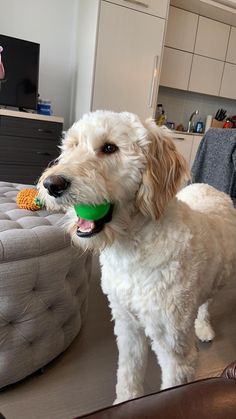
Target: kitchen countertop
(188, 133)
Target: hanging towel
(215, 161)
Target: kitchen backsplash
(179, 105)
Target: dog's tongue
(85, 225)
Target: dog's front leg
(177, 358)
(133, 349)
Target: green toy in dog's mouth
(92, 218)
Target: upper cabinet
(181, 29)
(206, 75)
(228, 85)
(181, 62)
(231, 52)
(212, 38)
(199, 55)
(153, 7)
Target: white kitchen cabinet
(207, 67)
(152, 7)
(212, 38)
(187, 145)
(228, 85)
(128, 60)
(181, 29)
(119, 57)
(175, 70)
(196, 142)
(183, 143)
(206, 75)
(231, 52)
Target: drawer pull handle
(179, 138)
(46, 131)
(138, 3)
(44, 153)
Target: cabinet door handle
(46, 131)
(138, 3)
(44, 153)
(154, 76)
(179, 138)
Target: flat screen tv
(19, 72)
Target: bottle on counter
(199, 127)
(228, 123)
(159, 111)
(162, 119)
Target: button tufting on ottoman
(43, 287)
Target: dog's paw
(124, 397)
(117, 401)
(204, 331)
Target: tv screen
(19, 70)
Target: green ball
(92, 212)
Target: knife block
(217, 124)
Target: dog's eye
(109, 148)
(52, 163)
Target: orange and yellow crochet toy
(28, 199)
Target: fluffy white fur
(163, 256)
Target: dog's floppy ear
(165, 171)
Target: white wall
(53, 24)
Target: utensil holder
(217, 124)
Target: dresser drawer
(20, 174)
(27, 151)
(21, 127)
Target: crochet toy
(92, 212)
(28, 199)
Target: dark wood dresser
(28, 143)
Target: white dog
(163, 256)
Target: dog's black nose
(56, 185)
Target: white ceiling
(222, 10)
(230, 3)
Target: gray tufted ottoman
(43, 288)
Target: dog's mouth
(88, 228)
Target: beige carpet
(83, 378)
